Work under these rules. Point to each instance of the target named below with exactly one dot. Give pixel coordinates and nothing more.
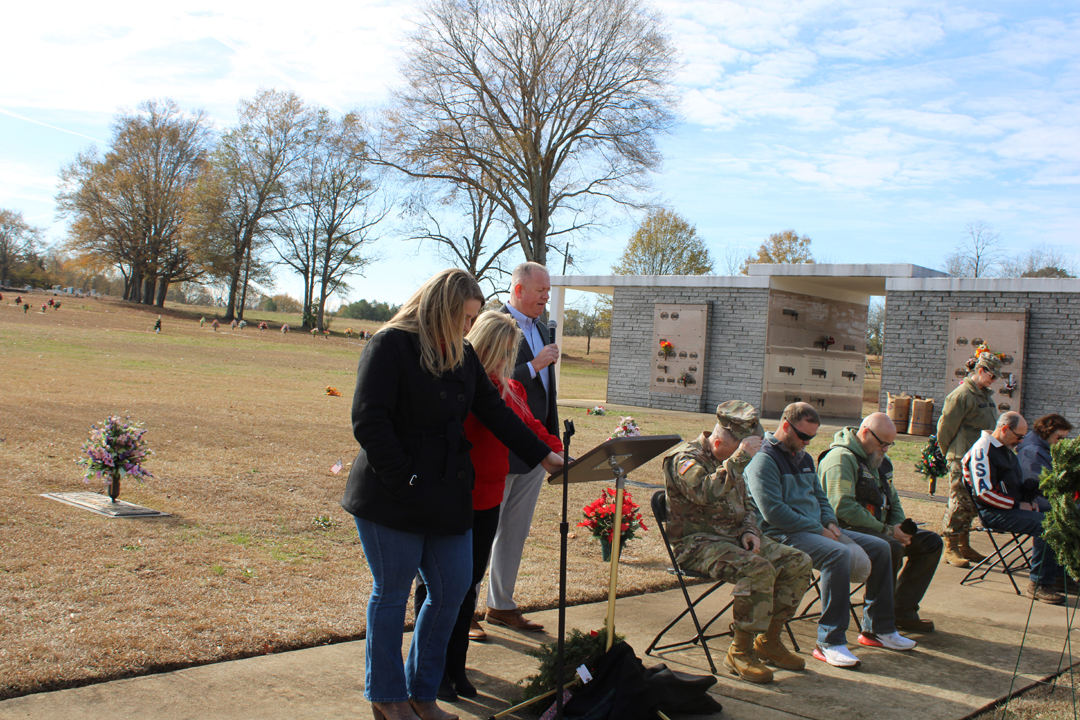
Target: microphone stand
(564, 531)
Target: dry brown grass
(244, 437)
(257, 556)
(1057, 701)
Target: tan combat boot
(741, 660)
(967, 551)
(952, 554)
(770, 649)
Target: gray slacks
(515, 520)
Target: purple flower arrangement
(115, 448)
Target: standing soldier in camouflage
(714, 530)
(968, 410)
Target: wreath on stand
(1061, 487)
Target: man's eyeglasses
(800, 434)
(1018, 435)
(884, 445)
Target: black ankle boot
(446, 690)
(463, 686)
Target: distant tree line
(364, 310)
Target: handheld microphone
(552, 325)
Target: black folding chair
(659, 508)
(1010, 556)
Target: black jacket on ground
(542, 404)
(413, 472)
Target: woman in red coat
(494, 337)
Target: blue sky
(878, 129)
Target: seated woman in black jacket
(410, 489)
(1034, 450)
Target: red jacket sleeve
(522, 409)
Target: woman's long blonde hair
(495, 337)
(436, 312)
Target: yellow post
(616, 542)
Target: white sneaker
(892, 641)
(836, 655)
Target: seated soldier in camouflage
(714, 530)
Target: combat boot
(741, 660)
(967, 551)
(952, 554)
(770, 649)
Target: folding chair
(1010, 556)
(659, 508)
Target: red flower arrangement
(667, 348)
(600, 517)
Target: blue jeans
(911, 579)
(394, 556)
(833, 560)
(1044, 565)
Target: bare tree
(978, 254)
(664, 244)
(254, 161)
(17, 238)
(555, 102)
(733, 259)
(875, 326)
(1040, 261)
(323, 236)
(464, 223)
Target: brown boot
(770, 649)
(741, 660)
(952, 554)
(1044, 593)
(967, 551)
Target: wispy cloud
(17, 116)
(836, 116)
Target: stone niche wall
(735, 347)
(916, 337)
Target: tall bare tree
(323, 236)
(131, 205)
(978, 254)
(466, 226)
(542, 105)
(254, 161)
(17, 238)
(664, 244)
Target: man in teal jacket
(795, 511)
(857, 476)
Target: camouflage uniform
(968, 410)
(709, 511)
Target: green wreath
(1061, 487)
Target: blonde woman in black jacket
(410, 489)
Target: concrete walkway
(965, 665)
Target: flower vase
(605, 549)
(114, 486)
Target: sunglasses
(800, 434)
(884, 445)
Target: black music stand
(610, 460)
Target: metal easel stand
(613, 458)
